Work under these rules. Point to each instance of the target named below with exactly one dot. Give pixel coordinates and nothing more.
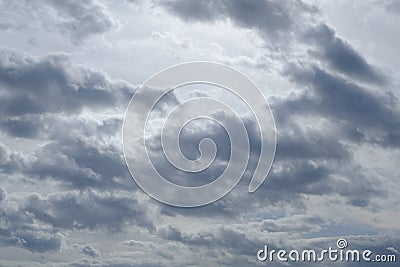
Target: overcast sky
(329, 69)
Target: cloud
(83, 18)
(289, 20)
(72, 161)
(11, 161)
(89, 210)
(91, 251)
(80, 164)
(269, 18)
(41, 96)
(297, 141)
(52, 84)
(221, 237)
(65, 180)
(296, 224)
(320, 127)
(365, 115)
(240, 242)
(3, 195)
(314, 153)
(341, 56)
(392, 6)
(194, 10)
(77, 19)
(19, 229)
(40, 224)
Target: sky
(330, 71)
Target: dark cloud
(89, 210)
(341, 56)
(284, 18)
(79, 164)
(39, 223)
(363, 114)
(234, 240)
(309, 158)
(195, 10)
(51, 84)
(77, 160)
(303, 177)
(19, 229)
(21, 127)
(54, 102)
(297, 142)
(3, 194)
(72, 163)
(41, 97)
(269, 18)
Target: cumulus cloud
(44, 96)
(40, 223)
(77, 19)
(41, 97)
(24, 80)
(70, 184)
(19, 229)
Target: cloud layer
(66, 196)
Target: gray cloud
(39, 223)
(236, 241)
(73, 210)
(42, 96)
(392, 6)
(91, 251)
(76, 19)
(83, 18)
(19, 229)
(269, 18)
(341, 104)
(79, 164)
(294, 224)
(240, 243)
(341, 56)
(73, 162)
(298, 142)
(284, 18)
(24, 80)
(364, 115)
